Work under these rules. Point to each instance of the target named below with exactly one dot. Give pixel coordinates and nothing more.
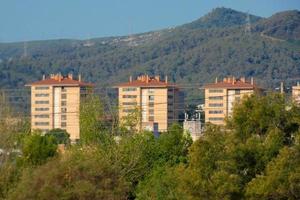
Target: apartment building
(296, 93)
(220, 97)
(55, 103)
(158, 101)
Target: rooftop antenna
(248, 24)
(25, 54)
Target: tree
(61, 136)
(173, 145)
(256, 114)
(281, 179)
(37, 149)
(79, 174)
(91, 120)
(131, 123)
(211, 172)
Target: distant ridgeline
(223, 42)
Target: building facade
(157, 101)
(55, 103)
(296, 93)
(220, 98)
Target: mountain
(283, 25)
(223, 42)
(222, 17)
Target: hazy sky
(49, 19)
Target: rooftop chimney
(70, 76)
(157, 78)
(252, 81)
(44, 77)
(79, 77)
(130, 79)
(216, 81)
(166, 79)
(281, 88)
(243, 79)
(298, 84)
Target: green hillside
(218, 44)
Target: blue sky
(22, 20)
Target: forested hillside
(223, 42)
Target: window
(63, 89)
(42, 95)
(215, 90)
(42, 88)
(41, 102)
(129, 103)
(151, 118)
(170, 96)
(151, 91)
(216, 119)
(129, 96)
(215, 112)
(151, 112)
(41, 123)
(63, 96)
(63, 110)
(64, 124)
(128, 110)
(41, 116)
(63, 103)
(64, 117)
(151, 104)
(215, 105)
(216, 98)
(128, 89)
(41, 109)
(151, 98)
(237, 91)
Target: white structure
(193, 126)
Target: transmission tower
(25, 54)
(248, 24)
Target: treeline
(257, 156)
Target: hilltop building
(55, 103)
(221, 96)
(296, 93)
(158, 101)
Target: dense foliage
(257, 156)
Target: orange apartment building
(220, 97)
(158, 101)
(55, 103)
(296, 93)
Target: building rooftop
(147, 81)
(232, 83)
(59, 80)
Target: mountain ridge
(187, 55)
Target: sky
(24, 20)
